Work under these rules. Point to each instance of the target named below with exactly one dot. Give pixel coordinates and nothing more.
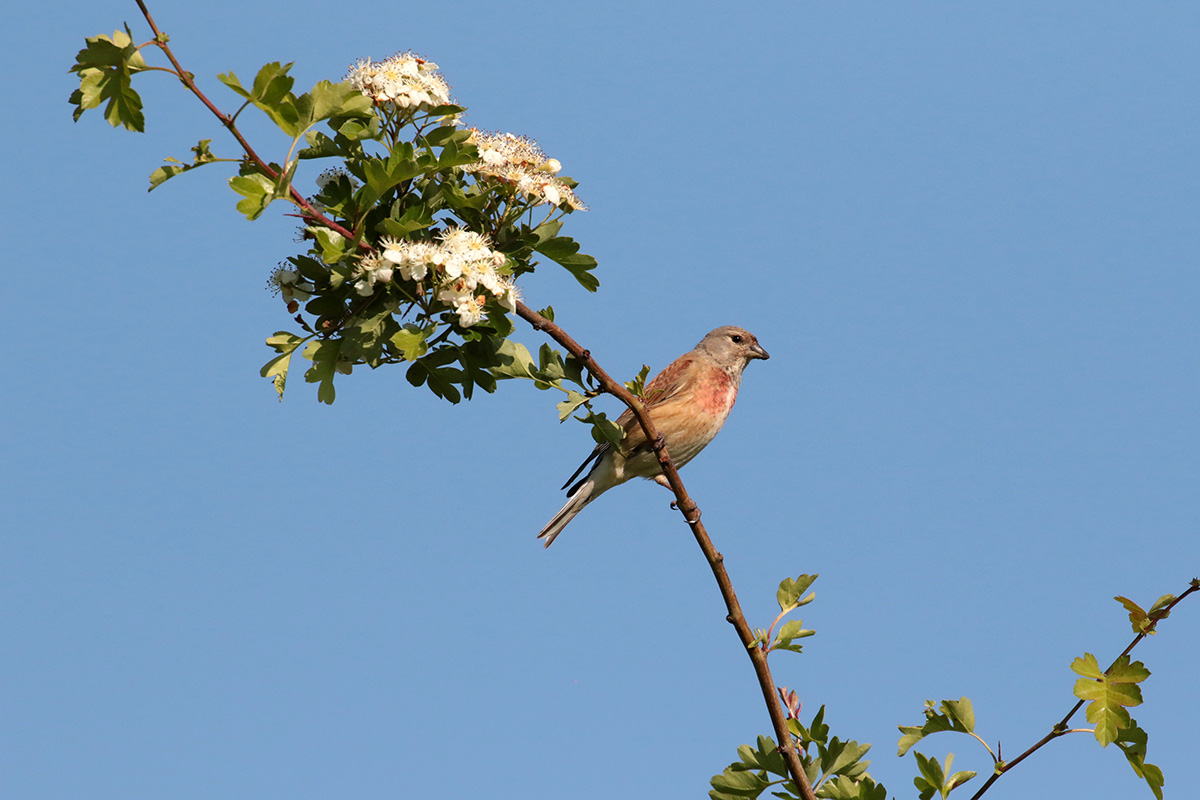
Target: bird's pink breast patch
(716, 393)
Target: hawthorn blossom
(372, 269)
(518, 161)
(405, 80)
(285, 280)
(463, 270)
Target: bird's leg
(659, 444)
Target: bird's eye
(737, 338)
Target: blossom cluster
(404, 80)
(460, 266)
(519, 161)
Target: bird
(688, 402)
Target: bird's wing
(666, 386)
(670, 382)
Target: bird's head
(732, 347)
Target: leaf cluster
(834, 768)
(790, 597)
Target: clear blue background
(967, 233)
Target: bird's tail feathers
(580, 497)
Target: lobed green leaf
(1109, 693)
(565, 251)
(790, 590)
(258, 191)
(957, 716)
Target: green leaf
(331, 243)
(414, 218)
(258, 191)
(551, 365)
(441, 381)
(930, 781)
(958, 779)
(637, 386)
(604, 430)
(739, 783)
(818, 731)
(284, 341)
(567, 407)
(319, 146)
(842, 787)
(381, 175)
(327, 99)
(565, 251)
(324, 354)
(105, 67)
(276, 369)
(231, 80)
(790, 590)
(789, 631)
(201, 156)
(546, 231)
(515, 361)
(843, 758)
(962, 711)
(1137, 616)
(272, 93)
(410, 342)
(1132, 741)
(1144, 621)
(936, 722)
(1109, 693)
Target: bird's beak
(756, 351)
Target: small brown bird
(688, 401)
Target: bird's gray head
(732, 347)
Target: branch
(684, 502)
(691, 513)
(160, 40)
(1061, 729)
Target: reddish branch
(161, 42)
(691, 513)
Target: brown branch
(691, 513)
(1060, 729)
(310, 212)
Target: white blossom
(518, 161)
(463, 269)
(405, 80)
(285, 281)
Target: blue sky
(967, 234)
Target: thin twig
(691, 513)
(1061, 729)
(161, 41)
